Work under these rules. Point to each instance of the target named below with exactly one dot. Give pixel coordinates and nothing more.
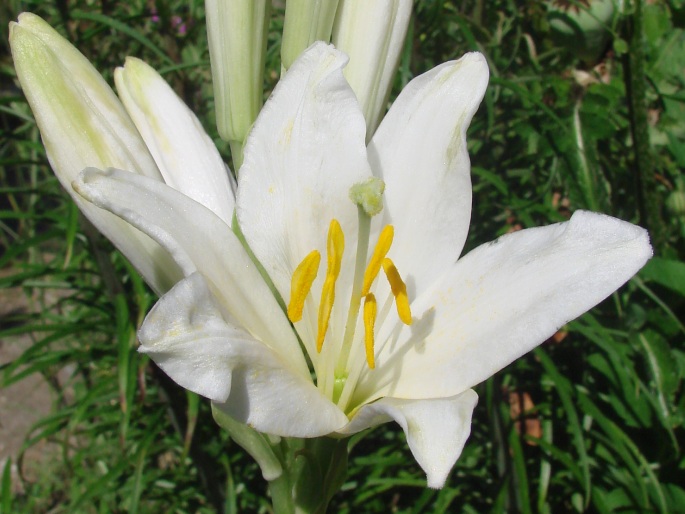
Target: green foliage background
(559, 130)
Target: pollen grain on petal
(335, 247)
(370, 311)
(301, 284)
(399, 290)
(379, 253)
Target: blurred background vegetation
(585, 110)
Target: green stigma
(369, 195)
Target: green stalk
(313, 471)
(648, 198)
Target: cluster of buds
(371, 33)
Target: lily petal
(184, 153)
(303, 155)
(436, 429)
(82, 123)
(187, 337)
(427, 172)
(502, 300)
(198, 240)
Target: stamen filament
(399, 291)
(379, 253)
(334, 250)
(370, 311)
(301, 284)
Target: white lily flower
(406, 345)
(83, 123)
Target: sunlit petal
(198, 240)
(436, 428)
(187, 337)
(502, 300)
(420, 152)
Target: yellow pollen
(369, 323)
(301, 284)
(399, 291)
(379, 253)
(334, 248)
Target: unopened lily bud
(83, 124)
(306, 21)
(237, 31)
(372, 34)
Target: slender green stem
(281, 495)
(649, 204)
(313, 471)
(589, 184)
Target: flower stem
(649, 201)
(313, 471)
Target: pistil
(336, 376)
(356, 297)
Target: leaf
(667, 273)
(662, 365)
(6, 488)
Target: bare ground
(23, 403)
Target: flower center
(367, 198)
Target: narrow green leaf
(6, 488)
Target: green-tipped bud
(237, 31)
(306, 21)
(372, 34)
(83, 124)
(81, 120)
(369, 195)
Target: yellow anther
(399, 291)
(370, 310)
(301, 283)
(379, 253)
(334, 248)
